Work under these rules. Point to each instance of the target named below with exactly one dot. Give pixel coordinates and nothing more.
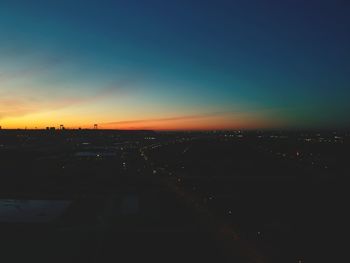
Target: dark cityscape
(174, 131)
(235, 196)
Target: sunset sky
(173, 65)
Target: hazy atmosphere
(171, 131)
(174, 65)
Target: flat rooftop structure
(12, 210)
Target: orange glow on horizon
(207, 121)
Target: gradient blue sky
(175, 64)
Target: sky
(175, 65)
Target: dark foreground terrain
(131, 196)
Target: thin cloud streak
(253, 111)
(177, 118)
(229, 119)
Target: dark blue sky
(259, 63)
